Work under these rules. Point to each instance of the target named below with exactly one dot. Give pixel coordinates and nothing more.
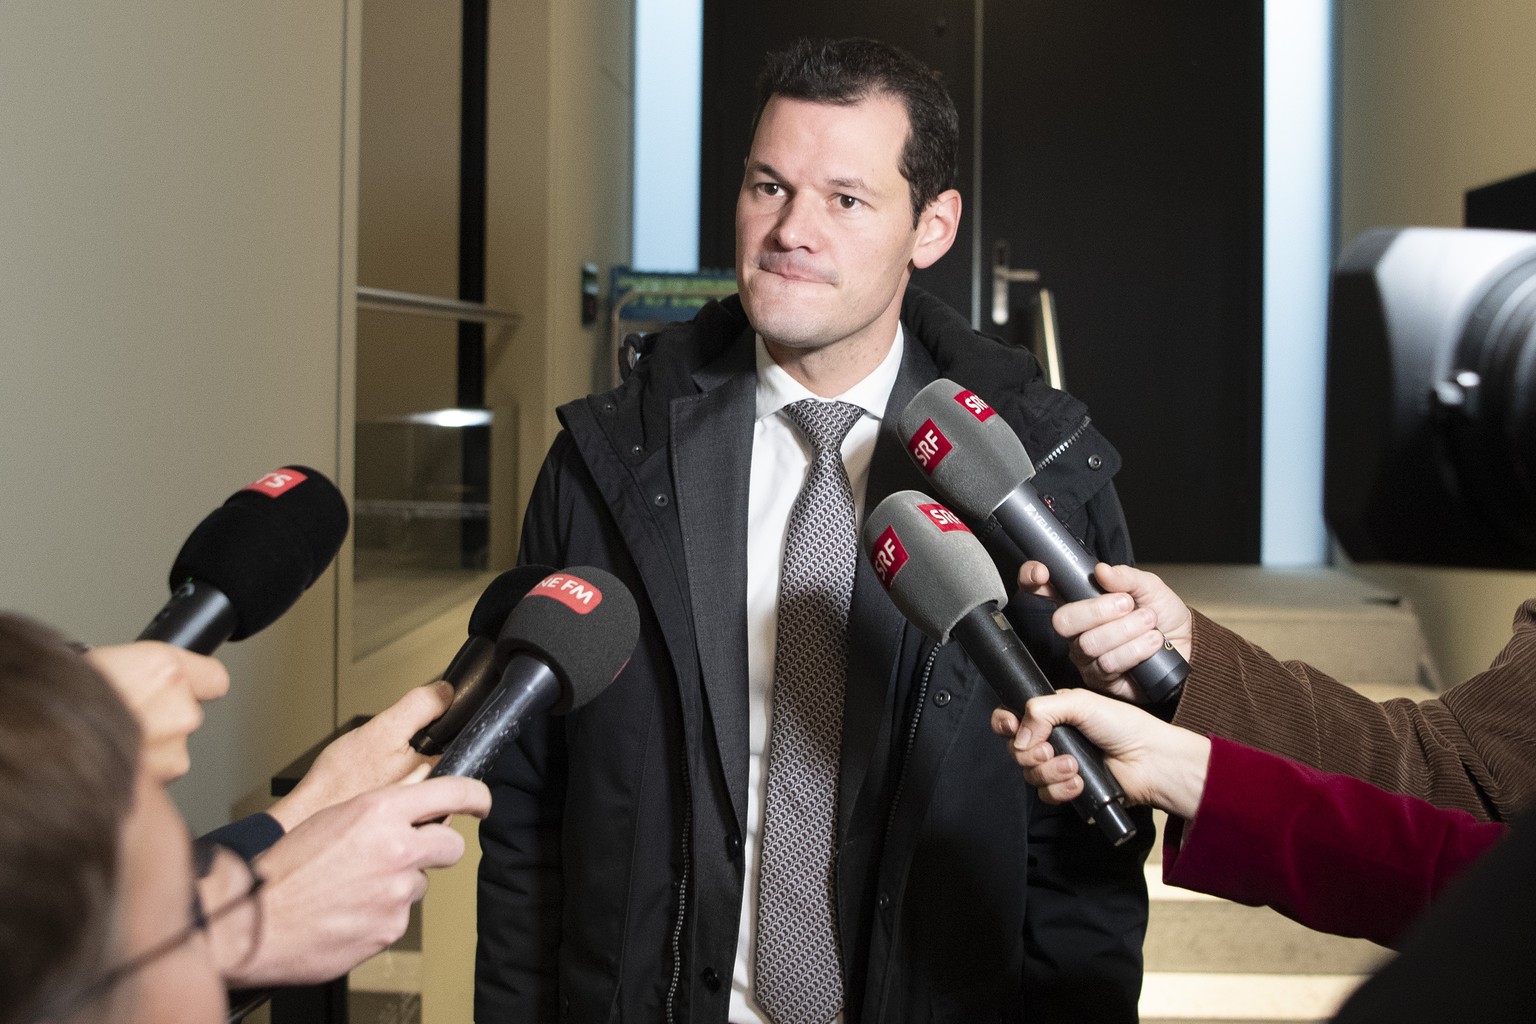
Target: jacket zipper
(906, 753)
(682, 895)
(1060, 449)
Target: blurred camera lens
(1431, 434)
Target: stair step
(1271, 998)
(1349, 628)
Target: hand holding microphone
(1115, 631)
(978, 464)
(941, 578)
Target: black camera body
(1431, 404)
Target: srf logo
(929, 446)
(572, 591)
(887, 556)
(975, 406)
(943, 518)
(278, 482)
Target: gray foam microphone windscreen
(934, 568)
(969, 452)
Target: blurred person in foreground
(109, 912)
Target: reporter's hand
(1115, 631)
(165, 687)
(376, 753)
(338, 888)
(1154, 762)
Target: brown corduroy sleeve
(1474, 747)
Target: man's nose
(799, 225)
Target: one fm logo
(973, 404)
(929, 446)
(278, 482)
(574, 592)
(887, 556)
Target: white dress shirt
(780, 460)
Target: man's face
(824, 235)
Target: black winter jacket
(612, 872)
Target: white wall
(171, 272)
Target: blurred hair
(848, 71)
(69, 752)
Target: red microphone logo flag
(929, 446)
(943, 518)
(277, 482)
(887, 556)
(973, 404)
(574, 592)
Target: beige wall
(174, 250)
(560, 80)
(1436, 98)
(558, 196)
(408, 201)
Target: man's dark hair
(68, 756)
(847, 71)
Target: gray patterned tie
(798, 978)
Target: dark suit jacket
(612, 874)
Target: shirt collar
(776, 388)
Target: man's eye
(849, 203)
(771, 189)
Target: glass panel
(420, 499)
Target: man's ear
(936, 229)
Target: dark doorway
(1122, 158)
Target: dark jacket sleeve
(519, 902)
(1337, 854)
(1085, 919)
(1469, 748)
(249, 837)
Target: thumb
(419, 706)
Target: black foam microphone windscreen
(942, 579)
(475, 669)
(564, 643)
(251, 558)
(583, 623)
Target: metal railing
(410, 303)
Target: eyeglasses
(242, 937)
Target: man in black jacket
(618, 877)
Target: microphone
(251, 559)
(942, 579)
(978, 464)
(562, 645)
(475, 670)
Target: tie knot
(824, 424)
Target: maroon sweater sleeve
(1329, 851)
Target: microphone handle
(1007, 665)
(527, 687)
(472, 674)
(197, 618)
(1031, 524)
